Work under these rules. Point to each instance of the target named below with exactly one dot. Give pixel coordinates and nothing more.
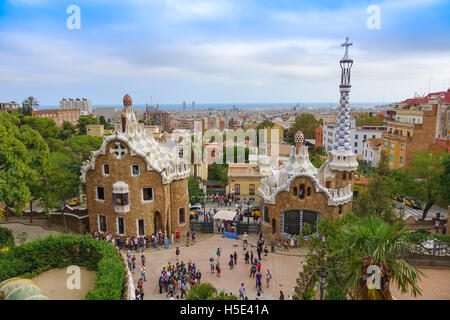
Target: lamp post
(323, 276)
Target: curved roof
(161, 159)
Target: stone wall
(316, 201)
(157, 214)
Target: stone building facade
(134, 185)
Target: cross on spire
(347, 44)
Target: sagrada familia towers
(300, 193)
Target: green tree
(83, 121)
(61, 180)
(305, 123)
(372, 241)
(445, 180)
(28, 104)
(369, 121)
(423, 179)
(23, 156)
(196, 194)
(207, 291)
(67, 130)
(376, 199)
(107, 125)
(84, 145)
(47, 128)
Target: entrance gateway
(292, 221)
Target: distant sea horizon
(225, 106)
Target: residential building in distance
(161, 118)
(5, 106)
(134, 185)
(371, 150)
(357, 135)
(84, 105)
(421, 124)
(71, 115)
(244, 178)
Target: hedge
(6, 238)
(423, 235)
(60, 251)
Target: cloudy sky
(221, 51)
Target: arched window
(350, 175)
(294, 191)
(308, 191)
(301, 191)
(344, 176)
(340, 209)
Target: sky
(221, 51)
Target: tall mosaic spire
(342, 140)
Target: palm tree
(28, 105)
(205, 291)
(372, 241)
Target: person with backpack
(252, 271)
(219, 250)
(211, 263)
(218, 269)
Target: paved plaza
(284, 268)
(435, 285)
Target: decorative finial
(346, 44)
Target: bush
(309, 294)
(61, 251)
(6, 238)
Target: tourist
(281, 295)
(143, 272)
(286, 245)
(161, 283)
(230, 263)
(258, 296)
(292, 242)
(177, 252)
(173, 236)
(198, 276)
(268, 277)
(251, 256)
(133, 261)
(252, 271)
(137, 293)
(141, 292)
(266, 252)
(211, 262)
(143, 260)
(247, 257)
(219, 250)
(183, 288)
(235, 256)
(172, 297)
(258, 250)
(241, 292)
(259, 266)
(218, 269)
(258, 281)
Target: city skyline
(220, 51)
